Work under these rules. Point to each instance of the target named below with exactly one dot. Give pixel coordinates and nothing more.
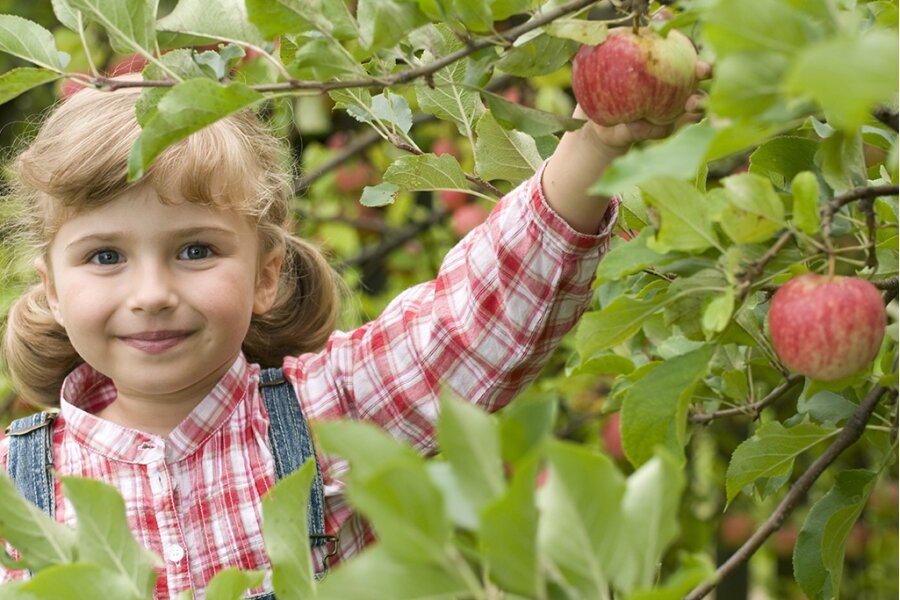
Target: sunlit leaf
(29, 41)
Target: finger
(696, 103)
(703, 70)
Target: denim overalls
(30, 457)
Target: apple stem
(640, 9)
(831, 265)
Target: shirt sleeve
(502, 300)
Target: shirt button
(174, 553)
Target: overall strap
(291, 443)
(30, 458)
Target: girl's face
(158, 297)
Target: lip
(154, 342)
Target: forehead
(141, 212)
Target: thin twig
(404, 235)
(836, 203)
(851, 432)
(752, 410)
(401, 77)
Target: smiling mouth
(154, 342)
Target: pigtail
(306, 308)
(36, 349)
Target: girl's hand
(619, 138)
(584, 154)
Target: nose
(153, 289)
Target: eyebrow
(187, 232)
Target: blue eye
(195, 252)
(106, 257)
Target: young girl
(162, 304)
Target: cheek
(228, 296)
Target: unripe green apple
(825, 327)
(631, 76)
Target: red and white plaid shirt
(501, 302)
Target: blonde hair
(78, 161)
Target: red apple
(453, 199)
(132, 63)
(468, 217)
(631, 76)
(352, 178)
(612, 437)
(826, 327)
(69, 87)
(736, 529)
(444, 146)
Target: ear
(267, 280)
(49, 289)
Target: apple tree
(669, 446)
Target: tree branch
(404, 235)
(851, 432)
(752, 410)
(424, 71)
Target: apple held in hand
(826, 327)
(632, 76)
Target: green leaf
(538, 56)
(104, 537)
(805, 190)
(406, 509)
(654, 409)
(389, 484)
(316, 58)
(582, 31)
(286, 534)
(684, 221)
(508, 533)
(386, 108)
(754, 212)
(79, 581)
(770, 453)
(679, 156)
(825, 72)
(841, 159)
(580, 512)
(819, 552)
(128, 23)
(274, 18)
(693, 570)
(649, 521)
(470, 442)
(426, 172)
(379, 195)
(525, 424)
(376, 570)
(367, 447)
(616, 322)
(383, 23)
(513, 115)
(29, 41)
(18, 81)
(630, 257)
(771, 25)
(194, 19)
(747, 83)
(41, 541)
(188, 107)
(826, 407)
(230, 584)
(504, 154)
(783, 157)
(448, 97)
(717, 313)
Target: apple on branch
(632, 76)
(826, 327)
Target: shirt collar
(86, 391)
